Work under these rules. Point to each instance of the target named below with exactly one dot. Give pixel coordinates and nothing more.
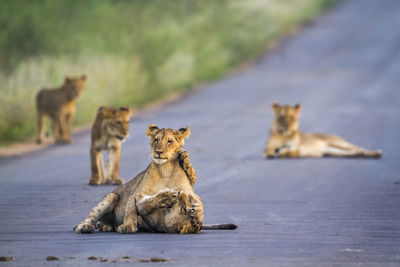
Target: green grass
(133, 52)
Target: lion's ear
(84, 77)
(183, 132)
(126, 112)
(298, 107)
(152, 130)
(67, 80)
(275, 106)
(107, 112)
(184, 198)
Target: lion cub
(159, 199)
(285, 139)
(59, 104)
(109, 130)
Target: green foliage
(133, 52)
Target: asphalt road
(344, 69)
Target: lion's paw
(63, 141)
(94, 181)
(183, 154)
(167, 198)
(117, 181)
(104, 227)
(84, 228)
(128, 228)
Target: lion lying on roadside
(59, 104)
(160, 199)
(285, 139)
(109, 130)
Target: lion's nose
(159, 152)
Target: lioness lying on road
(109, 130)
(160, 199)
(285, 140)
(59, 104)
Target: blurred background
(133, 52)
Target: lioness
(285, 139)
(160, 199)
(59, 104)
(109, 130)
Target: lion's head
(185, 215)
(115, 121)
(286, 118)
(75, 85)
(166, 143)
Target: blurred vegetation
(132, 51)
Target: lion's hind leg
(162, 200)
(338, 147)
(106, 205)
(334, 151)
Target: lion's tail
(224, 226)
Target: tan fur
(59, 104)
(285, 140)
(160, 199)
(109, 130)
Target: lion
(59, 104)
(286, 141)
(159, 199)
(109, 130)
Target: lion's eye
(170, 142)
(155, 141)
(119, 122)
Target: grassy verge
(133, 52)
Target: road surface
(344, 69)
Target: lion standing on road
(109, 130)
(160, 199)
(285, 139)
(59, 104)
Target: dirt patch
(52, 258)
(127, 259)
(155, 259)
(4, 258)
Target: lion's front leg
(107, 204)
(96, 166)
(288, 152)
(187, 167)
(61, 126)
(68, 120)
(164, 199)
(114, 157)
(56, 127)
(272, 148)
(130, 225)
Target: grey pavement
(345, 70)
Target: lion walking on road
(110, 128)
(59, 105)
